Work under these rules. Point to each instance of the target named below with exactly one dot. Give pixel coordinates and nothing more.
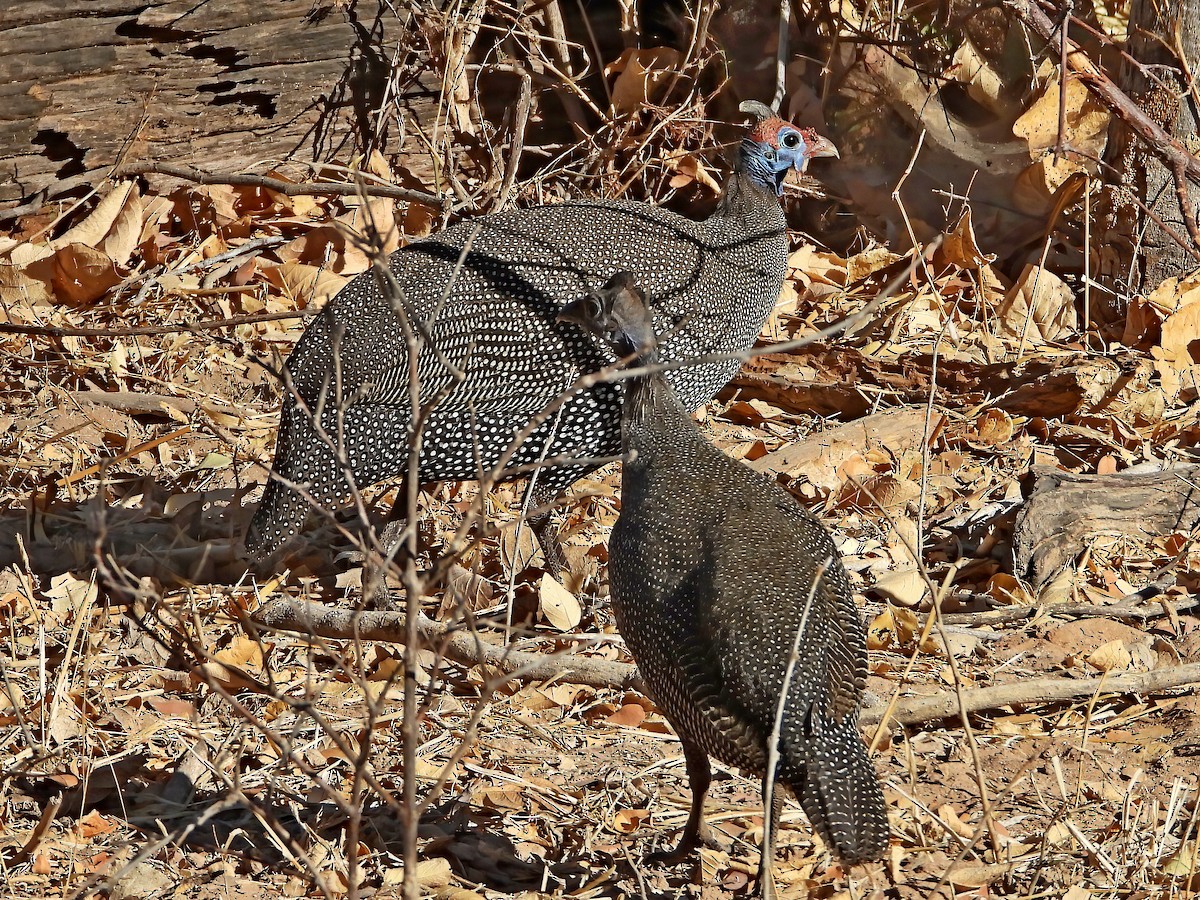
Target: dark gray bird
(716, 575)
(488, 292)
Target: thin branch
(1169, 150)
(149, 330)
(287, 188)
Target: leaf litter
(136, 697)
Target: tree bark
(223, 85)
(1160, 33)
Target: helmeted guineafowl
(716, 575)
(493, 317)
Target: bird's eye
(791, 139)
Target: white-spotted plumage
(711, 567)
(713, 283)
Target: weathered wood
(225, 85)
(1066, 511)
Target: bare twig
(287, 188)
(150, 330)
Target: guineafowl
(718, 576)
(485, 293)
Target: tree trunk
(1147, 253)
(224, 85)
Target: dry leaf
(627, 821)
(227, 666)
(1085, 126)
(894, 626)
(1007, 589)
(640, 72)
(305, 285)
(558, 605)
(977, 874)
(106, 218)
(83, 274)
(68, 594)
(906, 587)
(519, 549)
(1039, 308)
(960, 247)
(434, 872)
(1113, 656)
(689, 169)
(631, 715)
(994, 427)
(984, 84)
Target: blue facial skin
(769, 165)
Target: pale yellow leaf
(558, 605)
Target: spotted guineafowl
(487, 292)
(717, 577)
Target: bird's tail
(282, 512)
(279, 516)
(836, 784)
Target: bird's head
(773, 146)
(618, 313)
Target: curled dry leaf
(977, 874)
(640, 73)
(994, 428)
(1048, 182)
(895, 626)
(226, 666)
(82, 274)
(1039, 308)
(905, 587)
(631, 715)
(1008, 590)
(984, 84)
(960, 247)
(689, 168)
(627, 821)
(558, 605)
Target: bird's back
(713, 283)
(486, 292)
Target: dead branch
(468, 649)
(149, 330)
(1038, 690)
(1130, 609)
(150, 404)
(287, 188)
(459, 645)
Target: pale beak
(822, 147)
